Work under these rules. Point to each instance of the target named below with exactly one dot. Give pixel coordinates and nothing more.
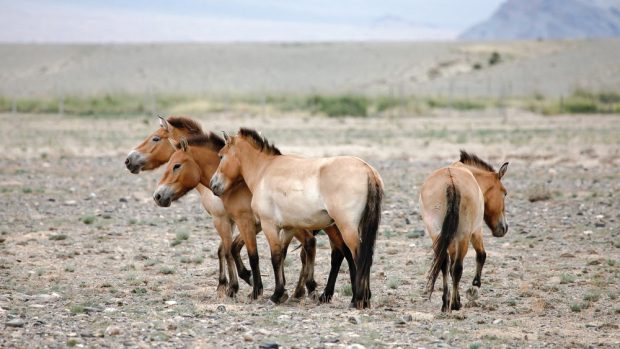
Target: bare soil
(86, 257)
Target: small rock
(587, 232)
(221, 308)
(400, 321)
(356, 346)
(355, 320)
(123, 199)
(70, 203)
(263, 331)
(171, 326)
(248, 337)
(591, 325)
(567, 255)
(408, 318)
(15, 323)
(497, 321)
(599, 224)
(113, 330)
(269, 345)
(171, 302)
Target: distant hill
(549, 19)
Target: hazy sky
(237, 20)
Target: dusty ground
(550, 68)
(86, 257)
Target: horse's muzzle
(500, 230)
(163, 196)
(216, 186)
(134, 162)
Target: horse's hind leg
(481, 256)
(224, 226)
(457, 272)
(243, 272)
(445, 307)
(310, 251)
(224, 230)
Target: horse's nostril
(127, 161)
(157, 196)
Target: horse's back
(434, 199)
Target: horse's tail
(443, 241)
(367, 230)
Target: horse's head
(153, 152)
(494, 202)
(229, 169)
(182, 175)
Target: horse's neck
(480, 177)
(253, 163)
(208, 161)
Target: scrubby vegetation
(356, 105)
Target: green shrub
(334, 106)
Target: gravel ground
(88, 260)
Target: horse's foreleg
(248, 231)
(243, 272)
(481, 256)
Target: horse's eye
(221, 157)
(176, 167)
(156, 139)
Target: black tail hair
(448, 230)
(367, 230)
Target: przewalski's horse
(156, 150)
(194, 164)
(292, 193)
(455, 200)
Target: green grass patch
(346, 290)
(393, 283)
(334, 106)
(57, 237)
(181, 235)
(567, 278)
(88, 219)
(166, 270)
(575, 307)
(591, 297)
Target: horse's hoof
(472, 294)
(221, 290)
(313, 295)
(456, 306)
(299, 294)
(325, 298)
(247, 277)
(476, 282)
(232, 292)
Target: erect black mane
(259, 141)
(209, 140)
(181, 122)
(473, 160)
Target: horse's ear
(502, 170)
(226, 137)
(183, 144)
(162, 122)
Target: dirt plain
(448, 69)
(87, 259)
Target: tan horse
(455, 200)
(194, 164)
(155, 151)
(292, 193)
